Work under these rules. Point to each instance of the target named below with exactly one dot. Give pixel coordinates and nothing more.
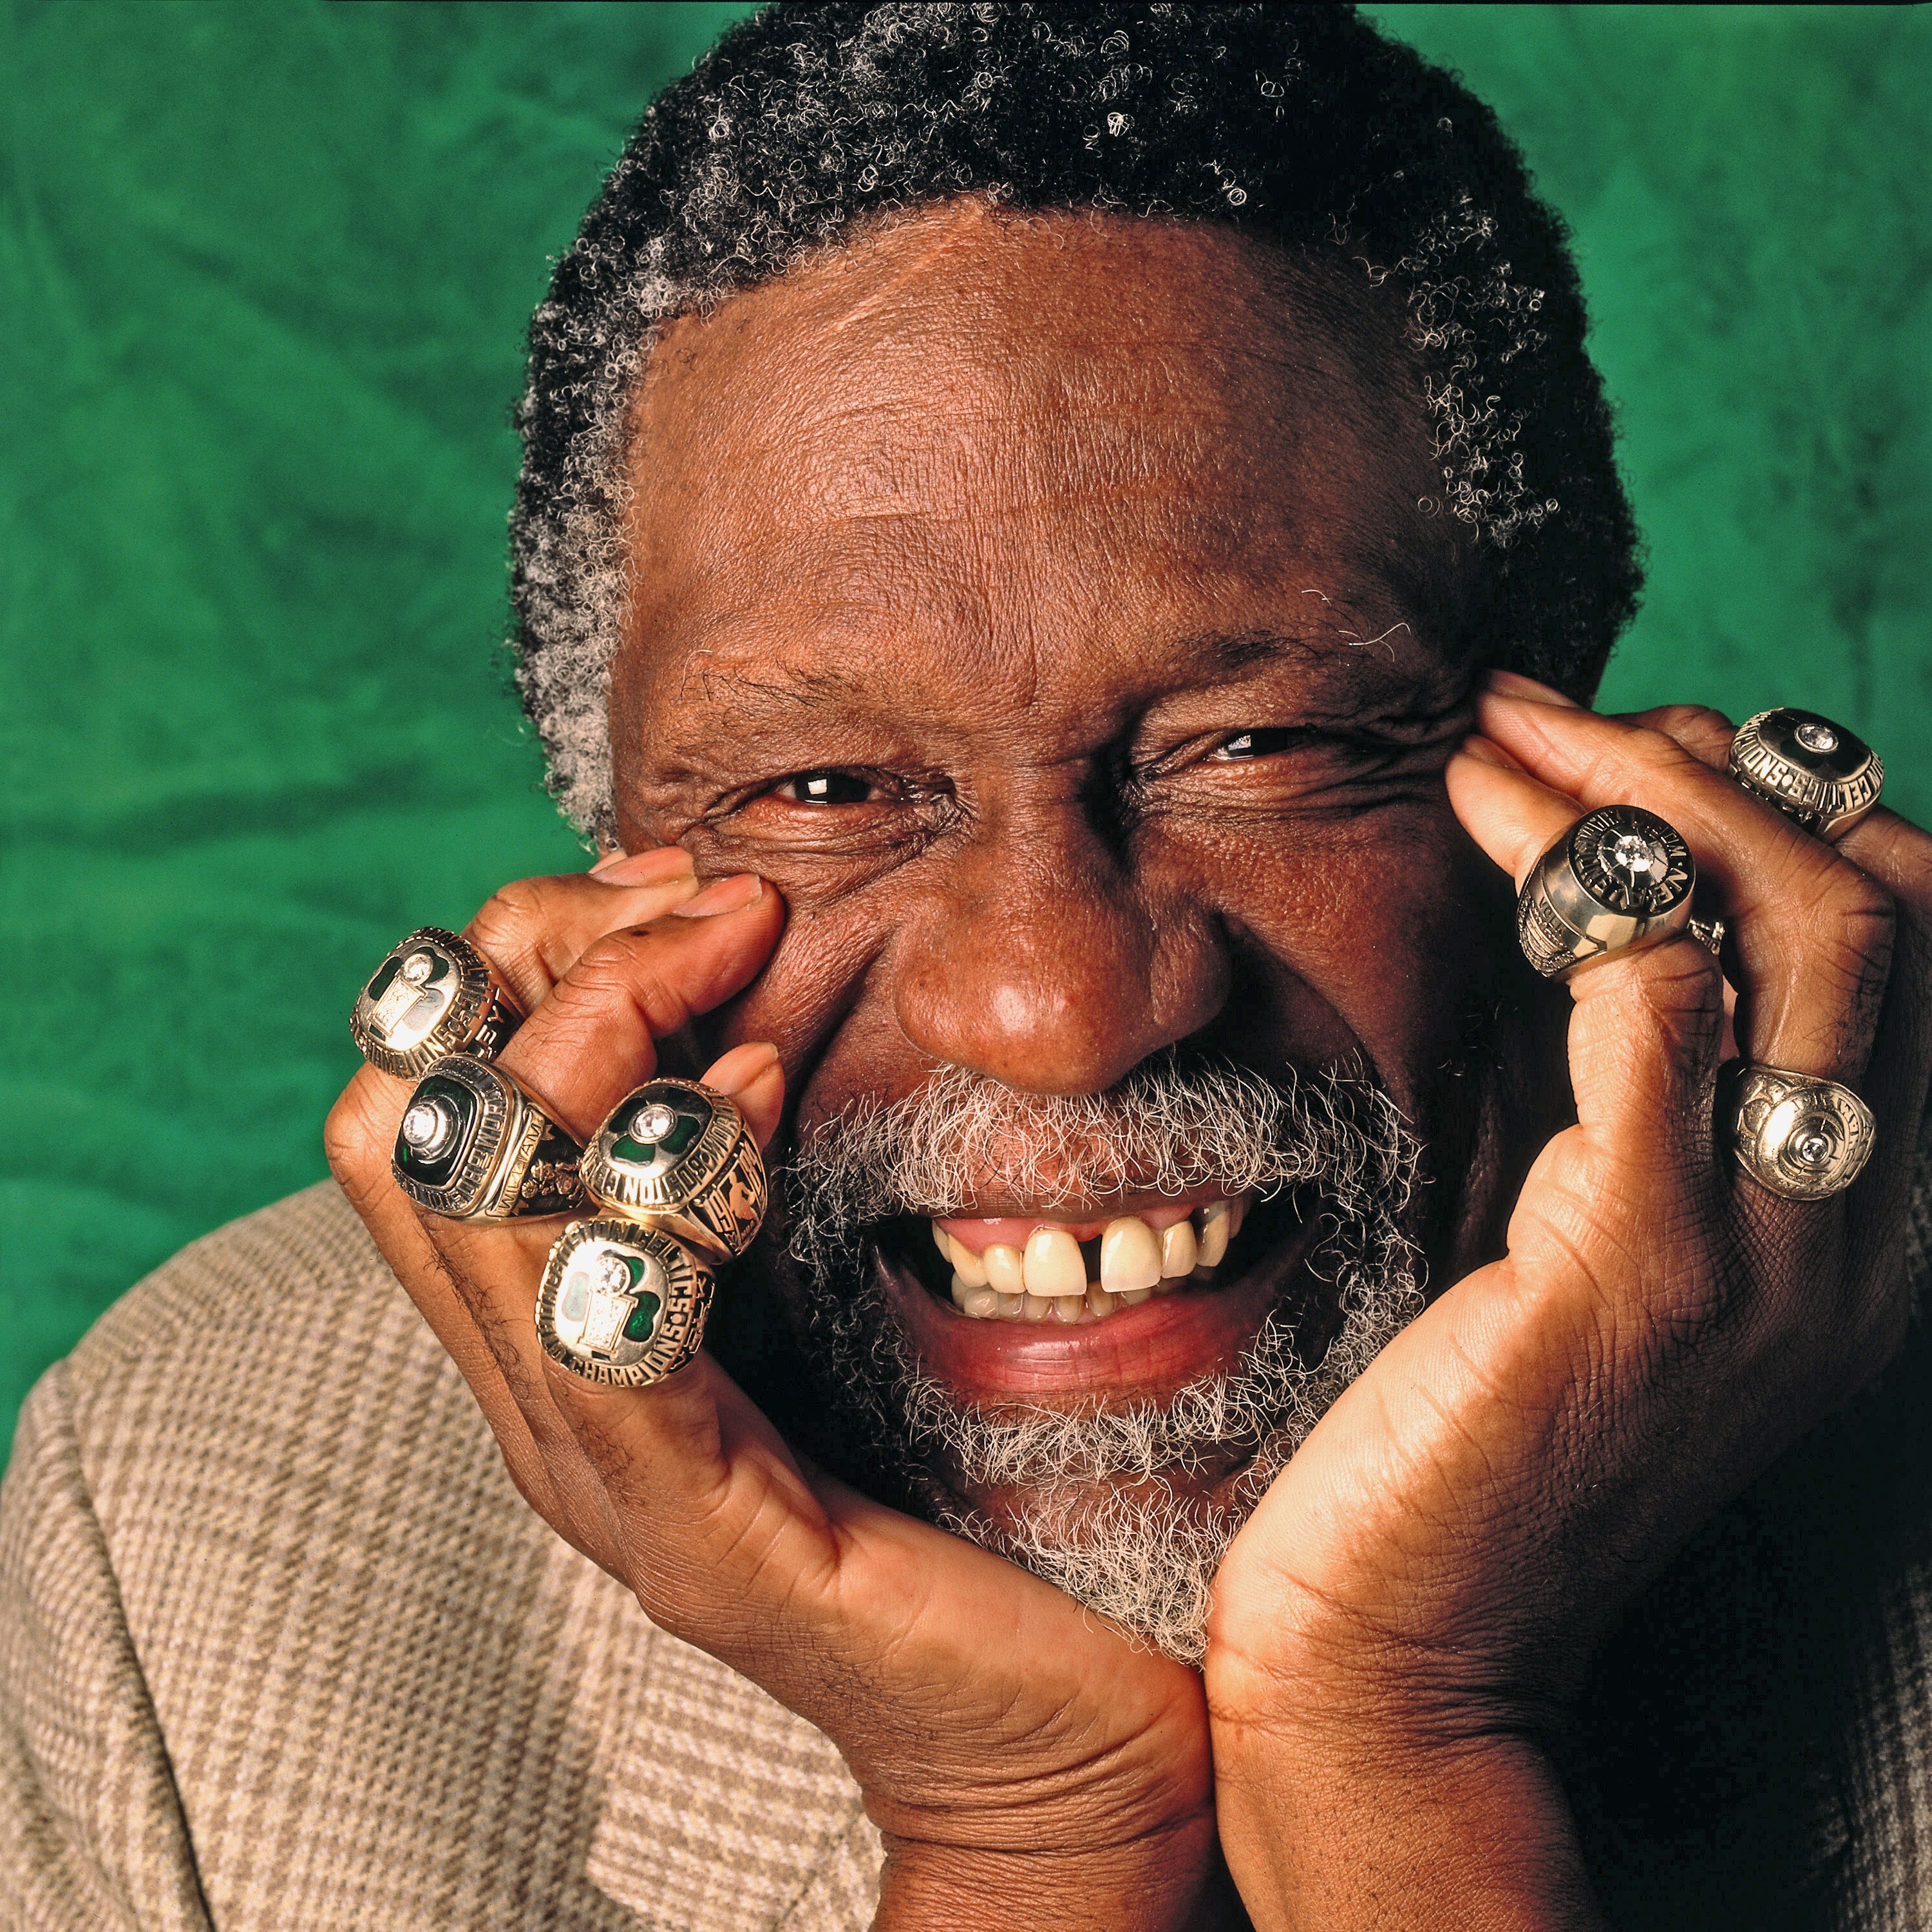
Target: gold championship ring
(431, 996)
(621, 1305)
(682, 1187)
(678, 1156)
(473, 1146)
(1803, 1137)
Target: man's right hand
(1025, 1764)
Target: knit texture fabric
(281, 1647)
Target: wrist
(1400, 1818)
(1172, 1882)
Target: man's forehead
(983, 424)
(1002, 365)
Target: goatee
(1095, 1498)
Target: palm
(968, 1662)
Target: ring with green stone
(677, 1156)
(622, 1305)
(432, 995)
(473, 1146)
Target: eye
(1261, 744)
(827, 787)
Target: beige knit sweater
(284, 1648)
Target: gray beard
(1098, 1515)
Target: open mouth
(1148, 1297)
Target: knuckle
(1681, 988)
(1645, 751)
(1702, 727)
(355, 1143)
(511, 915)
(1849, 925)
(627, 967)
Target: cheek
(818, 1002)
(1377, 933)
(1380, 932)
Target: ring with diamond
(622, 1305)
(1801, 1137)
(473, 1146)
(677, 1156)
(1815, 772)
(1618, 880)
(432, 995)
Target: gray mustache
(1172, 1127)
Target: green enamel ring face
(678, 1156)
(622, 1305)
(430, 997)
(438, 1128)
(657, 1130)
(473, 1146)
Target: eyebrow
(750, 684)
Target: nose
(1040, 963)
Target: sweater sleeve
(92, 1835)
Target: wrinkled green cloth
(265, 270)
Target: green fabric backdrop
(266, 269)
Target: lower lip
(1150, 1350)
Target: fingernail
(1486, 751)
(1513, 684)
(731, 895)
(735, 1071)
(643, 868)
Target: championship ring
(432, 995)
(473, 1146)
(1815, 772)
(1618, 880)
(678, 1156)
(1801, 1137)
(621, 1305)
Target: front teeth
(1179, 1251)
(1129, 1255)
(1053, 1264)
(1048, 1281)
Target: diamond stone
(654, 1122)
(1816, 737)
(614, 1276)
(418, 967)
(1634, 852)
(426, 1127)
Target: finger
(1705, 733)
(578, 1054)
(752, 1076)
(596, 1036)
(1645, 1032)
(534, 931)
(1812, 933)
(1512, 817)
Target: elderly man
(1061, 556)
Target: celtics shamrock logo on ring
(625, 1294)
(622, 1305)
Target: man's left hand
(1421, 1589)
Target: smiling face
(1049, 606)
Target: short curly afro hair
(1302, 124)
